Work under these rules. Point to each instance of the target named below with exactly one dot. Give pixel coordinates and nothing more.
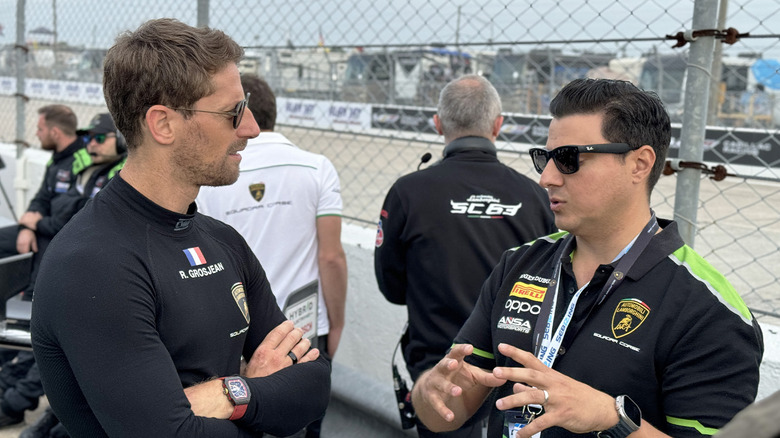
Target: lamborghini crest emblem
(240, 297)
(629, 314)
(257, 191)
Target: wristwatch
(629, 419)
(237, 391)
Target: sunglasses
(567, 158)
(99, 138)
(237, 114)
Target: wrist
(629, 419)
(238, 394)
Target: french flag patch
(195, 256)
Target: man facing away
(287, 205)
(142, 332)
(442, 229)
(636, 334)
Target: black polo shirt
(674, 336)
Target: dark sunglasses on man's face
(237, 113)
(99, 138)
(567, 158)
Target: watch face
(237, 389)
(632, 410)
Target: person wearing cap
(46, 214)
(108, 150)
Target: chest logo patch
(629, 314)
(525, 290)
(240, 296)
(257, 191)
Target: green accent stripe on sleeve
(483, 353)
(715, 281)
(480, 353)
(693, 424)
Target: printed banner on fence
(342, 116)
(739, 146)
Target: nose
(248, 127)
(550, 176)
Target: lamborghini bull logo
(257, 191)
(624, 324)
(629, 314)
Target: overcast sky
(95, 23)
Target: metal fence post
(203, 13)
(697, 90)
(21, 57)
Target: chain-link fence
(358, 81)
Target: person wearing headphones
(107, 149)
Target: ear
(159, 121)
(643, 161)
(497, 126)
(437, 124)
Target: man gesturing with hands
(613, 326)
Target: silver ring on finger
(546, 397)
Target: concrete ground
(29, 418)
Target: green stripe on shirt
(693, 424)
(716, 282)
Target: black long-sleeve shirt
(136, 302)
(60, 175)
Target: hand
(271, 355)
(26, 241)
(571, 405)
(454, 382)
(30, 219)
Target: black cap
(100, 124)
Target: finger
(538, 424)
(310, 356)
(438, 405)
(291, 340)
(486, 378)
(522, 357)
(275, 336)
(460, 351)
(301, 348)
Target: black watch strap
(629, 419)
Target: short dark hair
(631, 115)
(262, 102)
(61, 116)
(163, 62)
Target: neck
(603, 246)
(149, 176)
(62, 145)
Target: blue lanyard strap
(546, 345)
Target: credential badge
(240, 296)
(257, 190)
(629, 314)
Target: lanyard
(546, 345)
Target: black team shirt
(137, 302)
